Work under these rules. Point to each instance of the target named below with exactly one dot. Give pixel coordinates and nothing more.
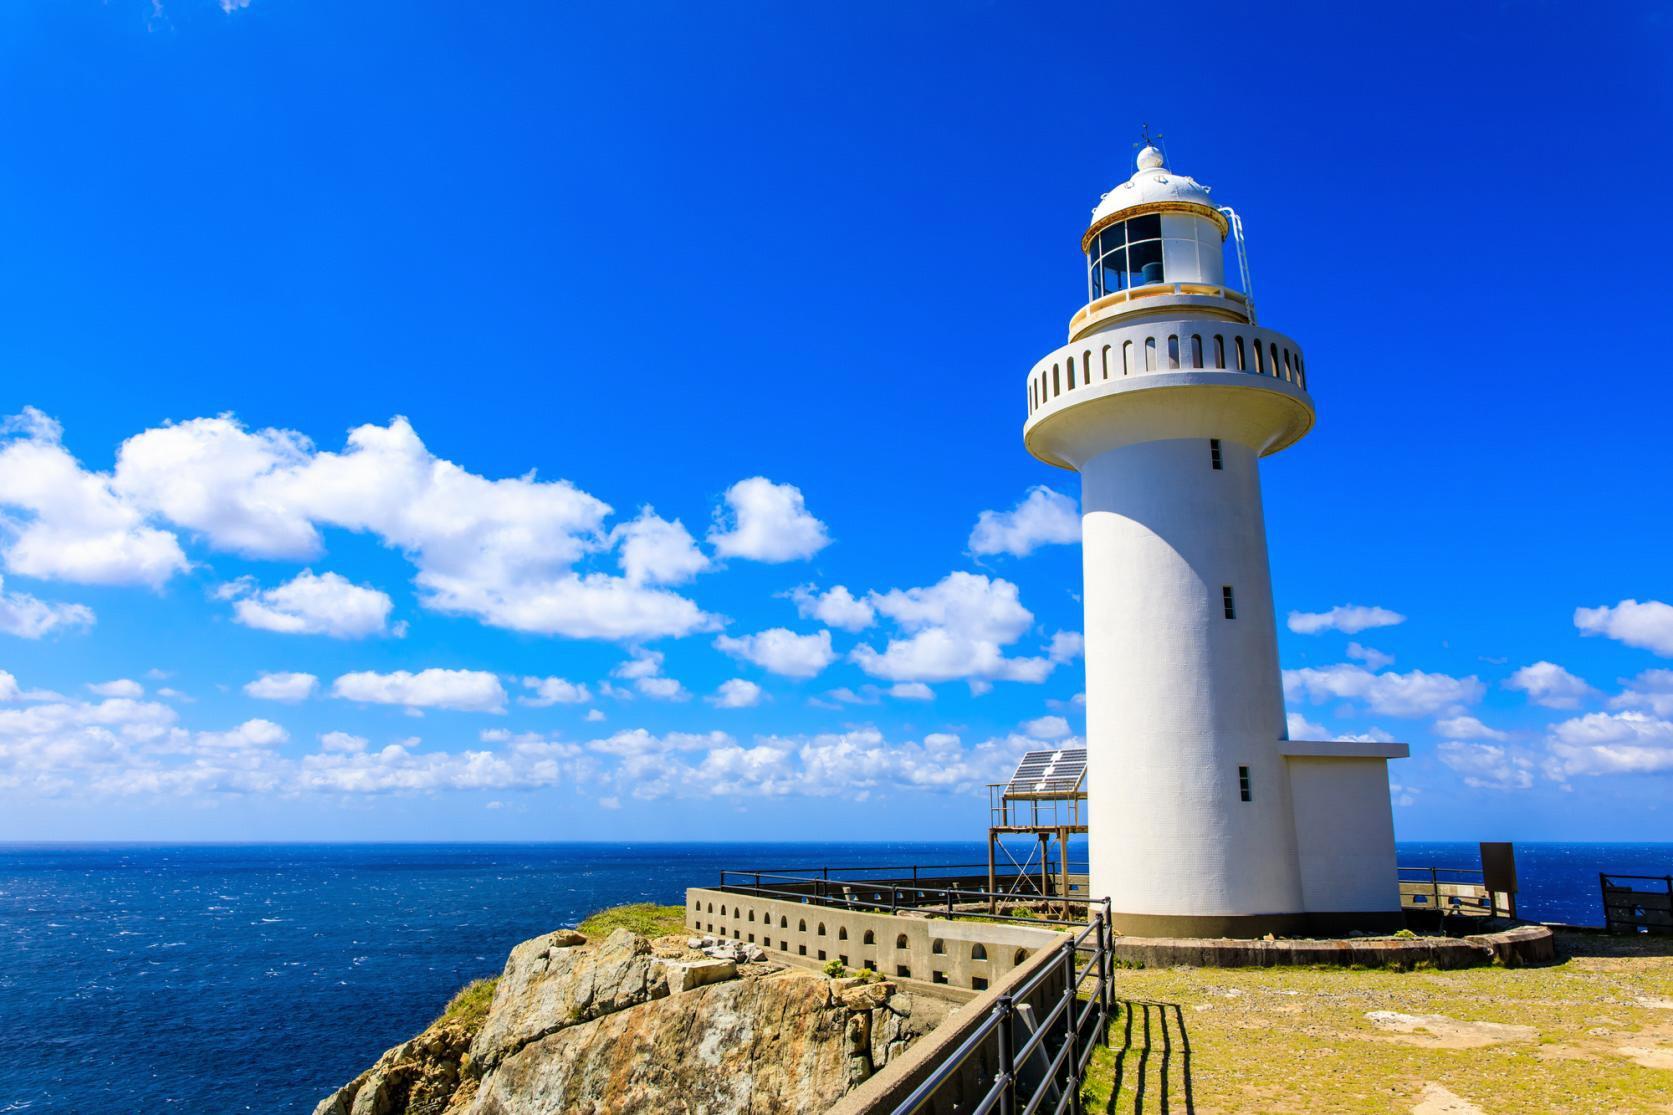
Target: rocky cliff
(634, 1025)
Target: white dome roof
(1151, 182)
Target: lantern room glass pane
(1144, 263)
(1147, 227)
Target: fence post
(1007, 1061)
(1106, 974)
(1435, 886)
(1070, 1034)
(894, 899)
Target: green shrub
(644, 918)
(469, 1006)
(835, 969)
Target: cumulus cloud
(251, 733)
(655, 551)
(837, 608)
(1610, 743)
(120, 687)
(504, 551)
(527, 763)
(644, 670)
(282, 687)
(1648, 626)
(766, 522)
(955, 629)
(1047, 727)
(30, 618)
(1467, 727)
(1374, 659)
(911, 691)
(312, 604)
(1042, 518)
(342, 741)
(736, 693)
(1652, 689)
(553, 691)
(1350, 619)
(781, 651)
(1488, 766)
(62, 522)
(1301, 728)
(1548, 684)
(463, 690)
(1393, 694)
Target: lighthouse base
(1334, 924)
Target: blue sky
(440, 421)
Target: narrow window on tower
(1214, 459)
(1243, 793)
(1226, 597)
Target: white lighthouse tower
(1206, 820)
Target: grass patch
(1293, 1040)
(469, 1006)
(644, 918)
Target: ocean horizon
(259, 977)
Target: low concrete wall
(960, 953)
(1524, 945)
(890, 1087)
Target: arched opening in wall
(1106, 361)
(1258, 368)
(1173, 350)
(1031, 396)
(1219, 351)
(1056, 384)
(1020, 956)
(784, 923)
(842, 933)
(1150, 354)
(821, 929)
(870, 938)
(1127, 358)
(752, 915)
(723, 911)
(711, 907)
(978, 952)
(1196, 350)
(900, 942)
(1086, 367)
(938, 947)
(1274, 354)
(1289, 369)
(801, 926)
(1300, 373)
(1071, 373)
(1238, 345)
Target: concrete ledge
(1531, 944)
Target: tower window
(1243, 793)
(1196, 350)
(1126, 254)
(1214, 459)
(1226, 598)
(1173, 350)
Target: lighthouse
(1205, 818)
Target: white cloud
(1652, 689)
(655, 551)
(837, 608)
(1488, 766)
(662, 689)
(594, 716)
(911, 691)
(250, 734)
(282, 687)
(1374, 659)
(313, 604)
(644, 669)
(464, 690)
(766, 522)
(736, 693)
(1548, 684)
(955, 629)
(526, 764)
(64, 523)
(782, 651)
(554, 691)
(1047, 727)
(1043, 517)
(342, 741)
(1410, 694)
(1467, 727)
(121, 687)
(1611, 743)
(1301, 728)
(30, 618)
(502, 551)
(1066, 646)
(1350, 619)
(1648, 626)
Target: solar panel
(1049, 774)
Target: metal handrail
(1067, 1065)
(942, 899)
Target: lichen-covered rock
(417, 1077)
(771, 1044)
(548, 985)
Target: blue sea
(259, 978)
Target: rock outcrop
(629, 1025)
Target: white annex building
(1206, 820)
